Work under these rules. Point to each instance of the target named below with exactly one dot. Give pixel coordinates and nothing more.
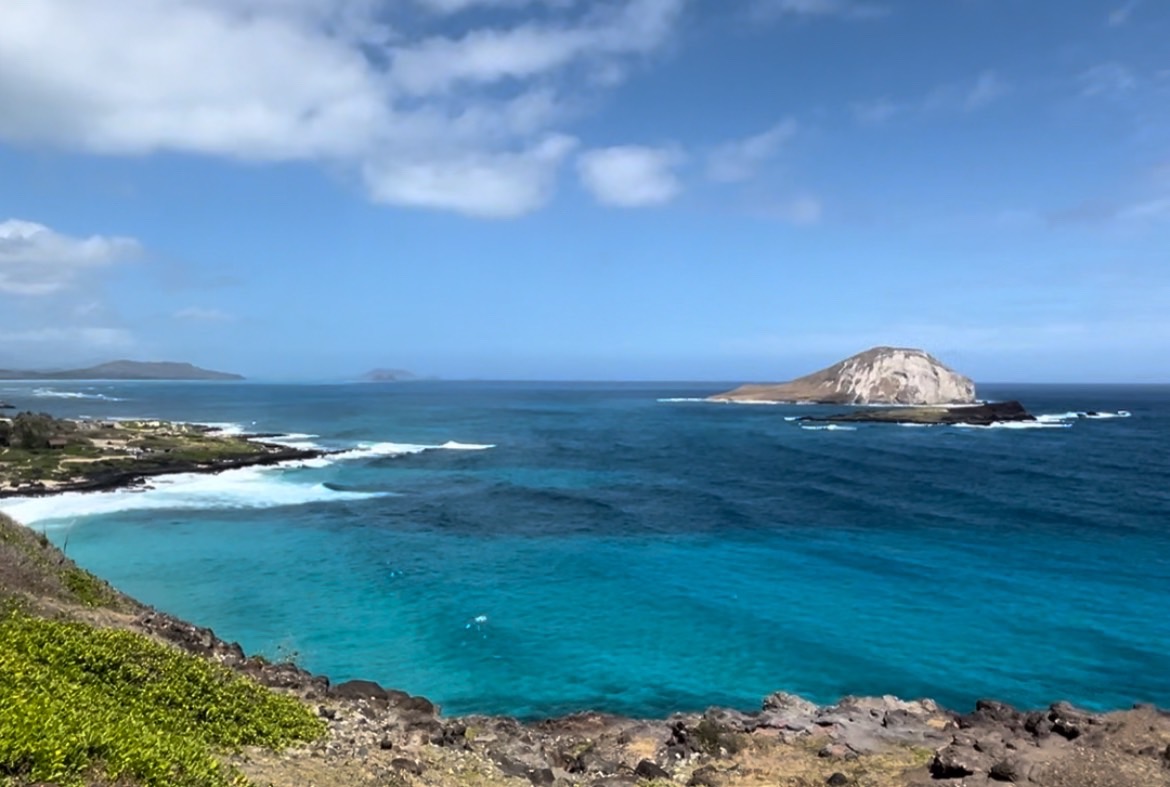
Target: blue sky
(634, 189)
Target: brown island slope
(97, 688)
(919, 387)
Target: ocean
(534, 549)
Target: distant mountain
(881, 375)
(124, 370)
(388, 376)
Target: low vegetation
(84, 705)
(40, 452)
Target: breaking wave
(50, 393)
(243, 488)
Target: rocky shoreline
(92, 456)
(984, 414)
(386, 736)
(137, 477)
(381, 737)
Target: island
(880, 375)
(41, 455)
(124, 370)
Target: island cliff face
(881, 375)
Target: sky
(565, 189)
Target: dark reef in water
(974, 415)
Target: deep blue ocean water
(618, 552)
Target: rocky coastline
(382, 737)
(984, 414)
(386, 736)
(88, 456)
(138, 476)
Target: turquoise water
(623, 553)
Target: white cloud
(801, 211)
(741, 159)
(437, 65)
(947, 99)
(876, 112)
(94, 337)
(324, 81)
(1120, 15)
(35, 260)
(501, 185)
(846, 9)
(1151, 211)
(201, 314)
(1108, 80)
(631, 176)
(987, 88)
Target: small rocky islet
(916, 388)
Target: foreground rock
(881, 375)
(971, 415)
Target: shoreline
(140, 467)
(378, 735)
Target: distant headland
(124, 370)
(880, 375)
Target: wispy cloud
(877, 111)
(844, 9)
(1108, 80)
(741, 159)
(631, 176)
(35, 260)
(953, 97)
(1120, 15)
(471, 121)
(202, 314)
(987, 88)
(90, 337)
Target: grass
(83, 703)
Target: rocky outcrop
(970, 415)
(881, 375)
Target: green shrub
(78, 701)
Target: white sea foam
(222, 428)
(1015, 425)
(248, 487)
(1076, 415)
(291, 440)
(830, 428)
(687, 399)
(376, 450)
(49, 393)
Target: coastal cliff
(359, 734)
(880, 375)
